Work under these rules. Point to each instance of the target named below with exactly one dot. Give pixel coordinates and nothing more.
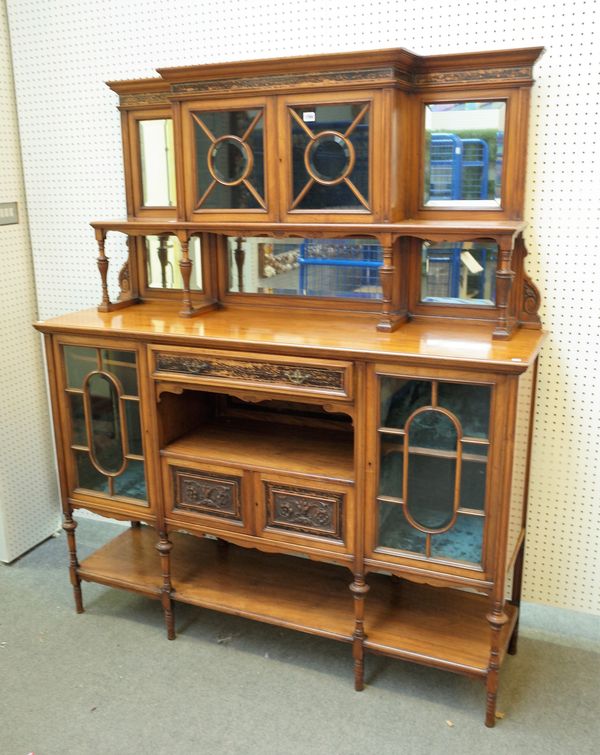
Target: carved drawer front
(297, 512)
(318, 377)
(206, 493)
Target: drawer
(300, 511)
(269, 373)
(205, 494)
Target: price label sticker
(309, 116)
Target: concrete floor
(109, 682)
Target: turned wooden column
(359, 589)
(163, 258)
(102, 262)
(497, 619)
(386, 275)
(69, 526)
(185, 266)
(164, 547)
(240, 258)
(504, 281)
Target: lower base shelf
(433, 626)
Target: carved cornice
(284, 81)
(144, 98)
(478, 75)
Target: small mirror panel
(461, 272)
(464, 149)
(338, 268)
(157, 161)
(163, 254)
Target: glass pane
(330, 156)
(163, 254)
(464, 145)
(79, 360)
(134, 430)
(132, 483)
(459, 273)
(341, 268)
(463, 542)
(472, 483)
(121, 364)
(470, 404)
(395, 531)
(391, 461)
(229, 159)
(400, 398)
(158, 162)
(78, 433)
(432, 430)
(105, 424)
(430, 489)
(88, 476)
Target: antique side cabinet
(324, 344)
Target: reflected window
(464, 149)
(163, 255)
(459, 273)
(157, 162)
(340, 268)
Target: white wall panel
(64, 50)
(29, 508)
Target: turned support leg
(185, 267)
(102, 262)
(69, 526)
(497, 619)
(359, 589)
(164, 547)
(504, 280)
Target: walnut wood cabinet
(324, 344)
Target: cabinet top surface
(309, 333)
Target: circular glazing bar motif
(230, 160)
(329, 158)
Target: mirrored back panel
(464, 154)
(163, 255)
(338, 268)
(157, 162)
(461, 272)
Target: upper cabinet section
(368, 137)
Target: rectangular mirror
(464, 148)
(461, 272)
(157, 162)
(163, 254)
(340, 268)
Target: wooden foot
(69, 526)
(358, 654)
(169, 613)
(490, 708)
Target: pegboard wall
(28, 491)
(63, 51)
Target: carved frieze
(256, 372)
(432, 78)
(144, 98)
(205, 493)
(315, 512)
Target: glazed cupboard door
(331, 151)
(434, 498)
(103, 428)
(229, 165)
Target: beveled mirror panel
(338, 268)
(157, 162)
(461, 272)
(464, 151)
(106, 445)
(163, 255)
(229, 159)
(330, 156)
